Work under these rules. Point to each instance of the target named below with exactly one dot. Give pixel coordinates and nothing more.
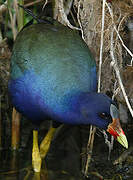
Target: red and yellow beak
(115, 130)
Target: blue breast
(48, 69)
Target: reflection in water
(62, 163)
(17, 168)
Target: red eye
(104, 115)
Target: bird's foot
(45, 144)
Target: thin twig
(46, 2)
(90, 148)
(78, 18)
(114, 62)
(32, 3)
(115, 66)
(93, 129)
(109, 143)
(12, 18)
(101, 46)
(63, 16)
(111, 13)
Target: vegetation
(106, 27)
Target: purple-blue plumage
(53, 75)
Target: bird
(53, 76)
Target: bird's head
(99, 110)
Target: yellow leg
(45, 144)
(36, 159)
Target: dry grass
(90, 17)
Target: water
(16, 165)
(63, 161)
